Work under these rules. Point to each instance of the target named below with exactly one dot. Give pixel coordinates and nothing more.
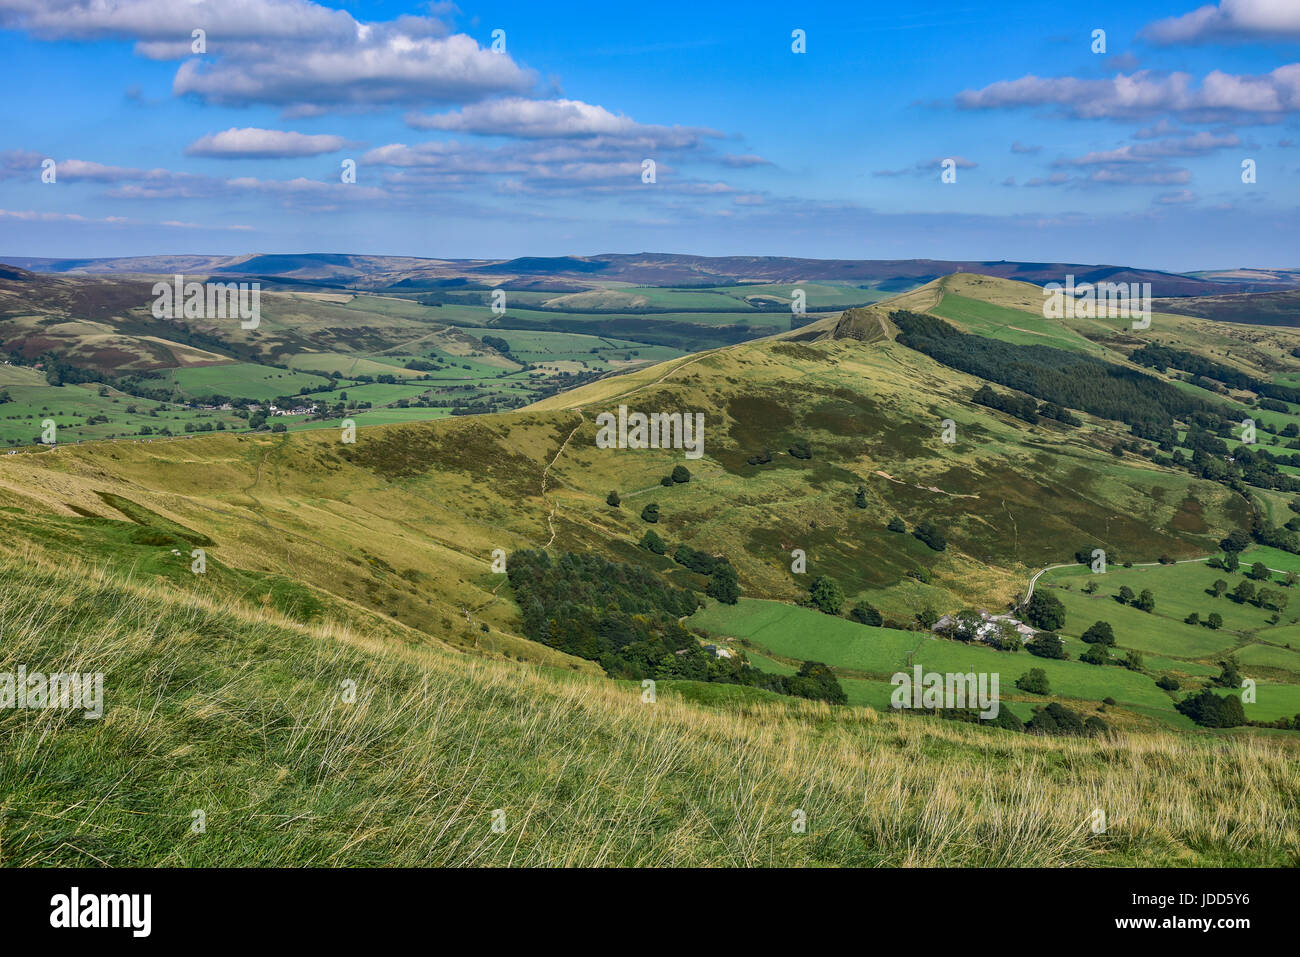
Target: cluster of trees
(1006, 718)
(1055, 718)
(1216, 711)
(1099, 633)
(724, 584)
(1245, 592)
(930, 534)
(1213, 711)
(826, 596)
(1084, 555)
(1273, 535)
(813, 680)
(1144, 601)
(626, 618)
(651, 541)
(622, 616)
(1165, 357)
(1045, 611)
(1068, 379)
(1034, 681)
(1229, 675)
(1051, 719)
(1253, 465)
(865, 614)
(1258, 572)
(1023, 407)
(1099, 654)
(1046, 644)
(1213, 460)
(761, 459)
(1100, 638)
(680, 475)
(61, 372)
(696, 560)
(1160, 358)
(1266, 598)
(497, 343)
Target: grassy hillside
(350, 741)
(371, 562)
(405, 520)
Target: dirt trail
(550, 523)
(925, 488)
(546, 474)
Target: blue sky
(1061, 153)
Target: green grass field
(242, 380)
(805, 634)
(77, 411)
(1010, 325)
(1179, 590)
(347, 366)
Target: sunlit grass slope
(357, 743)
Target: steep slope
(234, 736)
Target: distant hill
(1255, 280)
(655, 269)
(1281, 308)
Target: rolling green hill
(376, 556)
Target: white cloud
(1146, 93)
(523, 118)
(295, 54)
(531, 119)
(1197, 144)
(1229, 20)
(166, 21)
(251, 142)
(16, 163)
(381, 66)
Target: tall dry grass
(238, 712)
